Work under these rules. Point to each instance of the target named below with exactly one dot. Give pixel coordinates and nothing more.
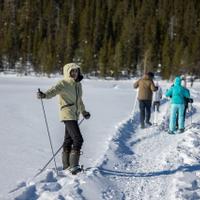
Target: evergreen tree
(109, 36)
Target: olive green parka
(70, 95)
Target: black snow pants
(73, 138)
(156, 105)
(145, 110)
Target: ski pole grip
(39, 92)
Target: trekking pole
(167, 116)
(134, 105)
(155, 113)
(45, 119)
(53, 155)
(156, 116)
(191, 114)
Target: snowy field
(121, 160)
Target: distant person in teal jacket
(178, 94)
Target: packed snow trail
(147, 169)
(140, 164)
(146, 164)
(151, 164)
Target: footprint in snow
(52, 187)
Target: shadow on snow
(185, 168)
(125, 132)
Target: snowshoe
(181, 130)
(149, 123)
(75, 170)
(171, 132)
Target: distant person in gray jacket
(157, 96)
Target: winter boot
(142, 126)
(149, 123)
(181, 130)
(74, 162)
(171, 132)
(65, 159)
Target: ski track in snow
(138, 165)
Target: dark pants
(156, 105)
(145, 110)
(73, 138)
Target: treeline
(105, 36)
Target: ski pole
(45, 119)
(156, 116)
(191, 114)
(134, 105)
(53, 155)
(167, 115)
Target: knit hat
(151, 75)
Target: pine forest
(106, 37)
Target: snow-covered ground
(121, 160)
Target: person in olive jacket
(71, 105)
(146, 87)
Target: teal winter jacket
(177, 92)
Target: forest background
(106, 37)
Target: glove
(191, 100)
(41, 95)
(86, 114)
